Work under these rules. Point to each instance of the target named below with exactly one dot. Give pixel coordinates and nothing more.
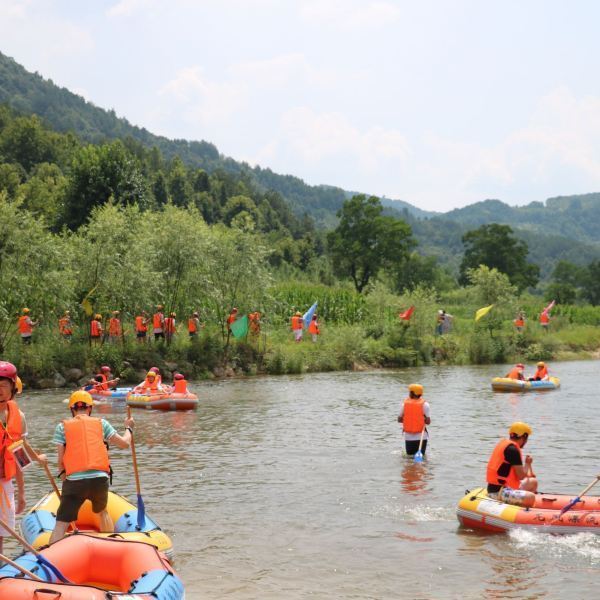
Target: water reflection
(414, 476)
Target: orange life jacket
(151, 386)
(541, 373)
(96, 328)
(84, 447)
(157, 320)
(313, 328)
(64, 326)
(101, 385)
(25, 324)
(254, 322)
(297, 322)
(519, 323)
(140, 325)
(413, 420)
(544, 318)
(12, 432)
(231, 318)
(192, 325)
(497, 460)
(180, 386)
(114, 327)
(169, 325)
(515, 374)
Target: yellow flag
(483, 311)
(86, 304)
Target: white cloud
(127, 8)
(315, 138)
(349, 14)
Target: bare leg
(59, 531)
(106, 523)
(529, 483)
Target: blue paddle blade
(418, 456)
(141, 513)
(569, 506)
(54, 569)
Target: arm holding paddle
(125, 440)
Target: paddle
(573, 502)
(41, 559)
(419, 455)
(141, 514)
(23, 570)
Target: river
(297, 487)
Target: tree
(495, 246)
(98, 174)
(566, 280)
(591, 288)
(365, 241)
(179, 188)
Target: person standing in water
(414, 416)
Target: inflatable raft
(97, 569)
(163, 401)
(111, 395)
(505, 384)
(477, 511)
(38, 523)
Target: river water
(297, 487)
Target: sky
(439, 103)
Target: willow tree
(32, 269)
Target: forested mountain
(53, 164)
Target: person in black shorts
(82, 446)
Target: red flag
(549, 307)
(406, 314)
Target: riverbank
(51, 362)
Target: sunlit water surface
(296, 487)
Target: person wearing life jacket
(519, 322)
(65, 327)
(254, 323)
(506, 467)
(313, 328)
(544, 320)
(179, 384)
(115, 330)
(96, 329)
(297, 323)
(13, 428)
(141, 327)
(194, 325)
(231, 318)
(516, 372)
(541, 373)
(150, 385)
(170, 327)
(156, 371)
(26, 326)
(82, 447)
(158, 323)
(414, 416)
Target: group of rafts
(131, 563)
(512, 509)
(151, 393)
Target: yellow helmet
(80, 396)
(416, 388)
(150, 374)
(541, 364)
(25, 311)
(19, 385)
(97, 317)
(519, 428)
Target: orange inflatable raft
(163, 401)
(477, 511)
(97, 569)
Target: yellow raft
(505, 384)
(38, 523)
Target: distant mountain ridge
(566, 227)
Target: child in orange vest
(313, 328)
(179, 384)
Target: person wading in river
(414, 416)
(506, 467)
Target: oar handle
(589, 487)
(23, 570)
(134, 458)
(421, 440)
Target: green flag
(239, 328)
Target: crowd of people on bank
(160, 325)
